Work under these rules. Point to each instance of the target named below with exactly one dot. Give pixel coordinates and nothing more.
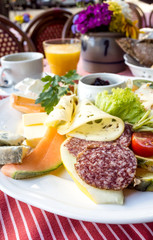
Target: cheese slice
(63, 112)
(99, 196)
(34, 134)
(10, 139)
(13, 154)
(85, 121)
(34, 118)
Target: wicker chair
(13, 39)
(47, 25)
(138, 14)
(151, 19)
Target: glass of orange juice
(62, 54)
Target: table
(22, 221)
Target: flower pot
(100, 52)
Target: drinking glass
(62, 54)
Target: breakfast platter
(56, 192)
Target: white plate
(58, 193)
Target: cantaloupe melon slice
(41, 160)
(25, 105)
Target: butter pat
(34, 118)
(33, 134)
(29, 88)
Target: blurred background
(10, 8)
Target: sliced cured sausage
(109, 166)
(125, 138)
(76, 145)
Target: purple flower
(26, 17)
(81, 17)
(91, 23)
(73, 28)
(85, 1)
(95, 16)
(82, 28)
(75, 18)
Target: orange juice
(62, 57)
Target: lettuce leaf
(122, 103)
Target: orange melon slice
(41, 160)
(25, 105)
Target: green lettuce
(122, 103)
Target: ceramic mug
(17, 66)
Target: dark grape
(100, 82)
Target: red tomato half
(142, 143)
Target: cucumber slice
(146, 163)
(143, 180)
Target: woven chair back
(13, 39)
(47, 25)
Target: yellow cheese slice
(85, 121)
(33, 134)
(63, 111)
(34, 118)
(98, 196)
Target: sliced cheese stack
(84, 120)
(33, 127)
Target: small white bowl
(137, 69)
(88, 91)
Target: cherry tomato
(142, 143)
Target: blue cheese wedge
(10, 139)
(13, 154)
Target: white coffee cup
(17, 66)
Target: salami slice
(110, 166)
(125, 138)
(76, 145)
